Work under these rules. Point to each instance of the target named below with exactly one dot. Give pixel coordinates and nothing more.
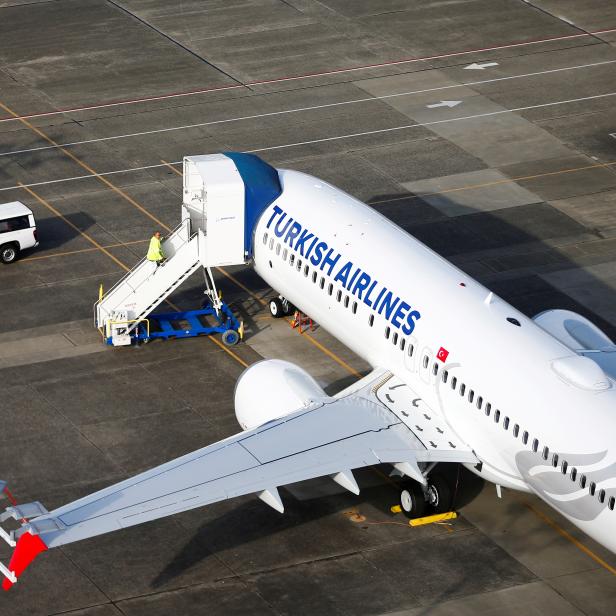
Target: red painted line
(306, 75)
(10, 496)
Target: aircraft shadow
(251, 521)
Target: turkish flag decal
(442, 354)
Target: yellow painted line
(52, 209)
(164, 162)
(83, 165)
(431, 519)
(76, 252)
(571, 538)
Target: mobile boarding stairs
(212, 233)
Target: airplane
(458, 376)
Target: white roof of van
(14, 208)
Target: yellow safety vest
(155, 251)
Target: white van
(17, 230)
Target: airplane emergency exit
(458, 375)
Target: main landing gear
(416, 500)
(281, 307)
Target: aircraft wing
(329, 437)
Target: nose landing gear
(281, 307)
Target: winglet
(28, 548)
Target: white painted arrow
(444, 104)
(479, 67)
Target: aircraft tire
(275, 308)
(412, 500)
(438, 494)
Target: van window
(14, 224)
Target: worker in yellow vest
(155, 250)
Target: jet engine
(271, 389)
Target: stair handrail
(175, 232)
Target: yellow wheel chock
(429, 519)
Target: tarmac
(485, 128)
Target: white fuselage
(382, 293)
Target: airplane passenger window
(278, 248)
(601, 496)
(291, 259)
(322, 282)
(445, 376)
(516, 430)
(582, 481)
(271, 245)
(573, 473)
(346, 301)
(354, 308)
(454, 382)
(426, 359)
(338, 295)
(592, 486)
(371, 320)
(411, 349)
(314, 277)
(402, 343)
(479, 402)
(563, 467)
(285, 252)
(611, 503)
(330, 288)
(488, 409)
(306, 270)
(525, 437)
(394, 338)
(545, 453)
(264, 239)
(506, 423)
(555, 460)
(535, 445)
(496, 416)
(387, 331)
(462, 389)
(435, 369)
(471, 395)
(299, 265)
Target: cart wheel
(230, 337)
(276, 309)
